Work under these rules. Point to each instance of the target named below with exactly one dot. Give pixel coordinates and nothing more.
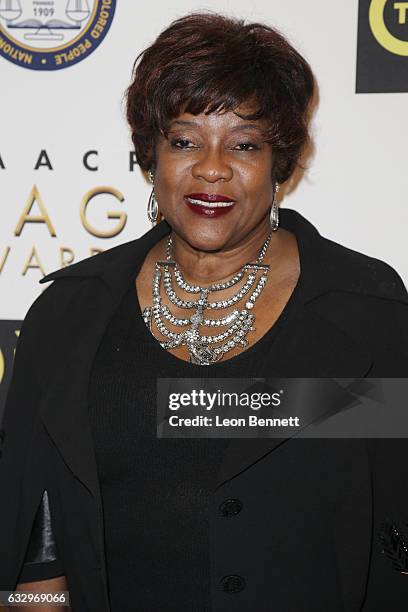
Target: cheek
(256, 171)
(170, 171)
(169, 185)
(256, 180)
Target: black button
(231, 507)
(233, 583)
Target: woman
(226, 286)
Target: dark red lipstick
(218, 204)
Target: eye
(247, 146)
(181, 143)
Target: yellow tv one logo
(379, 29)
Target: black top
(162, 559)
(351, 322)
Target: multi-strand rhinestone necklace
(205, 349)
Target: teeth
(210, 204)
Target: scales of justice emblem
(44, 24)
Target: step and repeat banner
(69, 183)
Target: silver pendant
(200, 354)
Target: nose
(212, 166)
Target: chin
(205, 243)
(206, 236)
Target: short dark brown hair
(206, 62)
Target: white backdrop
(354, 191)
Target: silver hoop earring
(152, 206)
(274, 215)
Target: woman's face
(209, 160)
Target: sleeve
(41, 560)
(21, 429)
(387, 587)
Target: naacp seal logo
(52, 34)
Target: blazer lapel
(308, 347)
(64, 406)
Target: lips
(210, 197)
(209, 204)
(209, 200)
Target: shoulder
(97, 264)
(329, 266)
(355, 272)
(365, 298)
(79, 283)
(46, 312)
(114, 262)
(65, 283)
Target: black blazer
(306, 538)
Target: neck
(204, 268)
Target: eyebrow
(236, 128)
